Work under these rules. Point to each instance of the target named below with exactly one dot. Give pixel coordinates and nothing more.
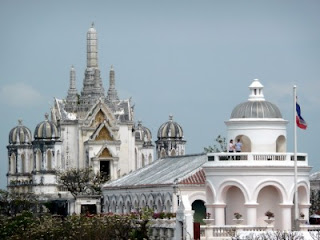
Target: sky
(192, 59)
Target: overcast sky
(192, 59)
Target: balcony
(256, 159)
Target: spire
(256, 91)
(72, 97)
(112, 92)
(92, 47)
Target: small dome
(258, 109)
(256, 106)
(46, 130)
(20, 135)
(143, 134)
(170, 129)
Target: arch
(150, 159)
(235, 202)
(281, 144)
(49, 160)
(278, 186)
(38, 160)
(142, 160)
(23, 163)
(246, 143)
(58, 159)
(143, 201)
(162, 153)
(120, 204)
(173, 152)
(13, 166)
(223, 188)
(269, 199)
(199, 211)
(210, 193)
(303, 192)
(136, 158)
(159, 203)
(151, 202)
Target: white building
(87, 129)
(258, 179)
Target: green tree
(220, 145)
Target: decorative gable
(99, 118)
(105, 153)
(104, 134)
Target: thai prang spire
(72, 97)
(92, 84)
(112, 92)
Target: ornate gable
(104, 134)
(99, 113)
(105, 153)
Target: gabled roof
(165, 171)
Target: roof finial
(92, 24)
(20, 122)
(46, 116)
(171, 117)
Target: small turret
(112, 92)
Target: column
(251, 214)
(219, 213)
(285, 216)
(210, 210)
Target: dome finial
(256, 91)
(20, 122)
(92, 24)
(139, 123)
(46, 116)
(170, 117)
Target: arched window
(142, 160)
(38, 160)
(23, 163)
(150, 158)
(162, 153)
(31, 162)
(281, 144)
(13, 163)
(246, 143)
(173, 152)
(58, 160)
(49, 160)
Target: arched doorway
(281, 144)
(269, 199)
(199, 214)
(234, 204)
(246, 143)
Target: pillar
(251, 214)
(285, 217)
(210, 209)
(219, 213)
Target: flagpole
(296, 209)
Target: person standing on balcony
(238, 147)
(231, 148)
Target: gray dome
(20, 135)
(143, 134)
(46, 130)
(256, 109)
(170, 129)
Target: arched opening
(150, 159)
(23, 163)
(246, 143)
(269, 199)
(31, 163)
(38, 160)
(58, 159)
(173, 152)
(162, 153)
(159, 205)
(199, 211)
(120, 207)
(49, 160)
(13, 163)
(142, 160)
(168, 206)
(234, 204)
(281, 144)
(136, 158)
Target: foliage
(219, 146)
(13, 203)
(237, 215)
(81, 181)
(269, 214)
(163, 215)
(96, 227)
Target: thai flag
(301, 123)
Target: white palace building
(95, 129)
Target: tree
(81, 181)
(219, 146)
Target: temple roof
(166, 171)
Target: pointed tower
(112, 92)
(92, 83)
(72, 97)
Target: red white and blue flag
(301, 123)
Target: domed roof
(143, 134)
(170, 129)
(46, 130)
(256, 106)
(20, 135)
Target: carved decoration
(105, 153)
(99, 118)
(104, 134)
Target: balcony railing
(257, 158)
